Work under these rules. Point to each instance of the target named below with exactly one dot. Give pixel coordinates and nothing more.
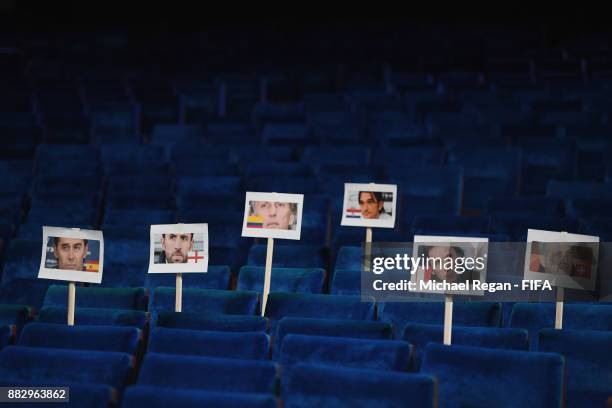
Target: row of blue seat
(339, 360)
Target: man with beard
(176, 247)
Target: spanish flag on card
(254, 221)
(92, 266)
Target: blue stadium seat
(225, 344)
(528, 378)
(217, 277)
(588, 207)
(578, 316)
(290, 133)
(139, 217)
(211, 322)
(419, 335)
(487, 172)
(95, 338)
(207, 301)
(588, 369)
(93, 297)
(337, 351)
(214, 374)
(313, 385)
(450, 225)
(96, 316)
(206, 184)
(289, 256)
(153, 397)
(44, 366)
(516, 226)
(282, 304)
(330, 327)
(472, 314)
(525, 206)
(302, 280)
(14, 315)
(428, 190)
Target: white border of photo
(362, 222)
(268, 232)
(178, 267)
(424, 239)
(69, 275)
(562, 281)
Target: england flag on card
(195, 257)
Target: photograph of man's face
(176, 247)
(272, 215)
(70, 253)
(370, 204)
(561, 259)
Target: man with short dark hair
(70, 253)
(176, 247)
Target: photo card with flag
(369, 205)
(72, 254)
(179, 248)
(272, 215)
(564, 260)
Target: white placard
(473, 250)
(72, 254)
(272, 215)
(179, 248)
(565, 260)
(369, 205)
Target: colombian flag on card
(254, 221)
(92, 266)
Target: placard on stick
(456, 260)
(564, 260)
(272, 215)
(178, 249)
(73, 255)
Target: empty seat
(419, 335)
(93, 297)
(93, 316)
(521, 378)
(217, 277)
(589, 370)
(98, 338)
(199, 321)
(153, 397)
(282, 304)
(479, 314)
(330, 327)
(289, 256)
(450, 225)
(312, 385)
(303, 280)
(226, 344)
(213, 374)
(576, 316)
(45, 366)
(207, 301)
(345, 352)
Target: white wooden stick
(448, 318)
(71, 302)
(559, 304)
(267, 276)
(178, 305)
(559, 308)
(368, 235)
